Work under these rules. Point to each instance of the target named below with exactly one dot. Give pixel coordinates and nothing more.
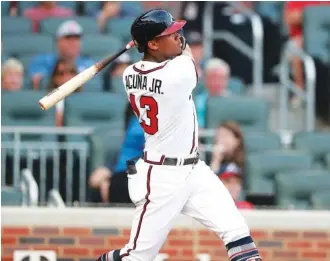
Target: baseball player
(169, 178)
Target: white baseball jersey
(161, 97)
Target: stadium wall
(84, 233)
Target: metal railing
(29, 188)
(51, 162)
(255, 53)
(307, 94)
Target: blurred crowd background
(263, 100)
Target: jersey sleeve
(183, 73)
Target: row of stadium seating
(116, 27)
(88, 7)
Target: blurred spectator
(116, 69)
(229, 147)
(68, 37)
(216, 78)
(46, 9)
(109, 183)
(195, 41)
(109, 10)
(120, 64)
(12, 75)
(293, 16)
(233, 180)
(64, 71)
(228, 159)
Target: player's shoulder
(180, 62)
(129, 69)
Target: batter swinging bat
(70, 86)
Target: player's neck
(148, 57)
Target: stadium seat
(11, 196)
(317, 143)
(117, 85)
(327, 160)
(295, 188)
(316, 23)
(250, 113)
(50, 25)
(17, 45)
(120, 27)
(100, 45)
(321, 200)
(26, 60)
(28, 113)
(4, 8)
(236, 86)
(261, 141)
(93, 85)
(91, 8)
(15, 25)
(103, 110)
(261, 168)
(135, 8)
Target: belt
(172, 161)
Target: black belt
(172, 161)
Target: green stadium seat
(104, 110)
(5, 8)
(317, 143)
(91, 7)
(11, 196)
(22, 109)
(321, 200)
(316, 36)
(296, 187)
(15, 25)
(327, 160)
(26, 60)
(50, 25)
(261, 168)
(261, 141)
(250, 113)
(117, 85)
(100, 45)
(93, 85)
(17, 45)
(135, 7)
(121, 28)
(236, 86)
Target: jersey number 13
(152, 112)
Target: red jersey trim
(148, 71)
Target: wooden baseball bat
(70, 86)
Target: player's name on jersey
(142, 82)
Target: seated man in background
(68, 37)
(46, 9)
(110, 184)
(12, 75)
(228, 159)
(216, 78)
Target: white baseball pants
(161, 193)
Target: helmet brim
(174, 27)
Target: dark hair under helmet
(153, 23)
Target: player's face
(169, 45)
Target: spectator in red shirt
(46, 9)
(232, 179)
(293, 16)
